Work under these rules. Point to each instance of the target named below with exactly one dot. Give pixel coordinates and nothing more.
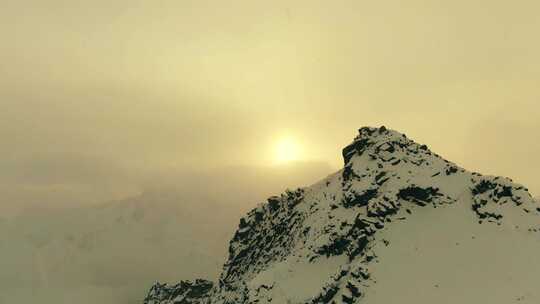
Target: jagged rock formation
(185, 292)
(320, 244)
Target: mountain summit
(398, 224)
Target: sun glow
(287, 150)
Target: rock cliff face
(346, 238)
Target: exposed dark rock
(418, 195)
(337, 247)
(482, 187)
(451, 170)
(361, 199)
(348, 173)
(506, 192)
(326, 296)
(185, 292)
(356, 147)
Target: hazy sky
(98, 97)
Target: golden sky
(92, 91)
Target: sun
(287, 150)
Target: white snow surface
(399, 224)
(446, 257)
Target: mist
(177, 229)
(181, 104)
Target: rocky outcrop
(185, 292)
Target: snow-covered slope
(398, 224)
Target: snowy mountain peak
(370, 137)
(385, 144)
(325, 243)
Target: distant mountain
(398, 224)
(121, 245)
(110, 253)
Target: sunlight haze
(100, 90)
(225, 103)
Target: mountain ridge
(319, 244)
